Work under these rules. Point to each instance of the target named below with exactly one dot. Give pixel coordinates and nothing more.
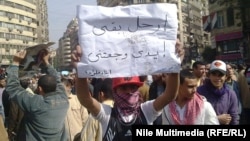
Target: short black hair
(143, 78)
(106, 88)
(24, 83)
(196, 63)
(47, 83)
(186, 73)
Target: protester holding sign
(128, 109)
(122, 43)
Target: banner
(191, 132)
(126, 41)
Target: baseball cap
(218, 65)
(126, 80)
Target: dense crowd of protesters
(52, 106)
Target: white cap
(218, 65)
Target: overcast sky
(60, 13)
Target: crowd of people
(57, 107)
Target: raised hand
(18, 57)
(76, 56)
(179, 50)
(45, 56)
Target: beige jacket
(92, 131)
(244, 89)
(76, 118)
(3, 132)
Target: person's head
(217, 73)
(199, 69)
(105, 91)
(126, 85)
(143, 78)
(157, 77)
(34, 79)
(126, 95)
(207, 67)
(25, 82)
(230, 70)
(3, 80)
(68, 83)
(46, 84)
(188, 84)
(241, 67)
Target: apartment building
(65, 46)
(23, 23)
(230, 29)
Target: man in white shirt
(189, 108)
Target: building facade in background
(222, 25)
(66, 45)
(230, 27)
(23, 23)
(190, 31)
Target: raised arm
(45, 57)
(172, 83)
(82, 88)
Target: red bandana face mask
(133, 98)
(128, 103)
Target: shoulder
(202, 94)
(207, 104)
(203, 98)
(106, 108)
(201, 88)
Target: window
(247, 16)
(230, 16)
(220, 20)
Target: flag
(206, 23)
(213, 18)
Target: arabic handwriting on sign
(93, 59)
(138, 25)
(166, 21)
(155, 55)
(100, 31)
(137, 55)
(98, 56)
(164, 49)
(158, 28)
(98, 72)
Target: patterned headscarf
(193, 108)
(128, 103)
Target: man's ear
(100, 96)
(40, 90)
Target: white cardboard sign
(126, 41)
